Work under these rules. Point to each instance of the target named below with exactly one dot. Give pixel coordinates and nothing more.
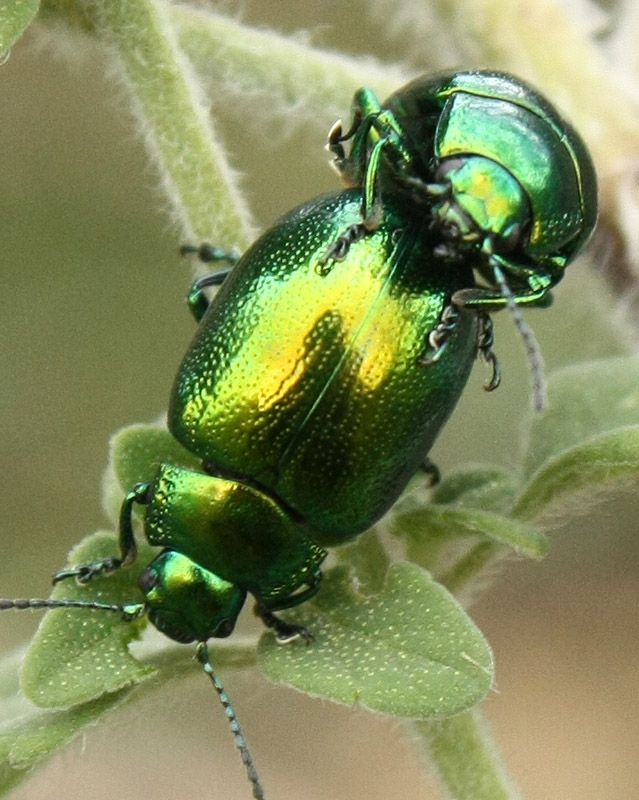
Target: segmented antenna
(533, 351)
(128, 612)
(202, 654)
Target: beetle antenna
(533, 351)
(129, 612)
(202, 655)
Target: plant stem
(287, 73)
(468, 570)
(173, 118)
(465, 759)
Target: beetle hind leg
(284, 631)
(433, 473)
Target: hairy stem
(464, 758)
(173, 118)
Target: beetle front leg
(531, 287)
(374, 130)
(489, 301)
(351, 168)
(128, 548)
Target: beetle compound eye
(147, 581)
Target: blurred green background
(93, 327)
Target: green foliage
(69, 662)
(37, 734)
(410, 650)
(400, 643)
(15, 18)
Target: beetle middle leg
(128, 548)
(210, 253)
(196, 299)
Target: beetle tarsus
(440, 335)
(86, 572)
(210, 253)
(340, 247)
(485, 342)
(284, 631)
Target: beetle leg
(210, 253)
(530, 287)
(440, 335)
(340, 247)
(285, 631)
(128, 548)
(334, 143)
(485, 341)
(489, 300)
(351, 168)
(432, 471)
(196, 299)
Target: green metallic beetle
(338, 345)
(306, 397)
(497, 167)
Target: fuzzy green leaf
(29, 734)
(37, 734)
(138, 450)
(440, 522)
(586, 400)
(410, 651)
(73, 660)
(15, 18)
(367, 557)
(594, 466)
(483, 486)
(134, 455)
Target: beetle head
(188, 603)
